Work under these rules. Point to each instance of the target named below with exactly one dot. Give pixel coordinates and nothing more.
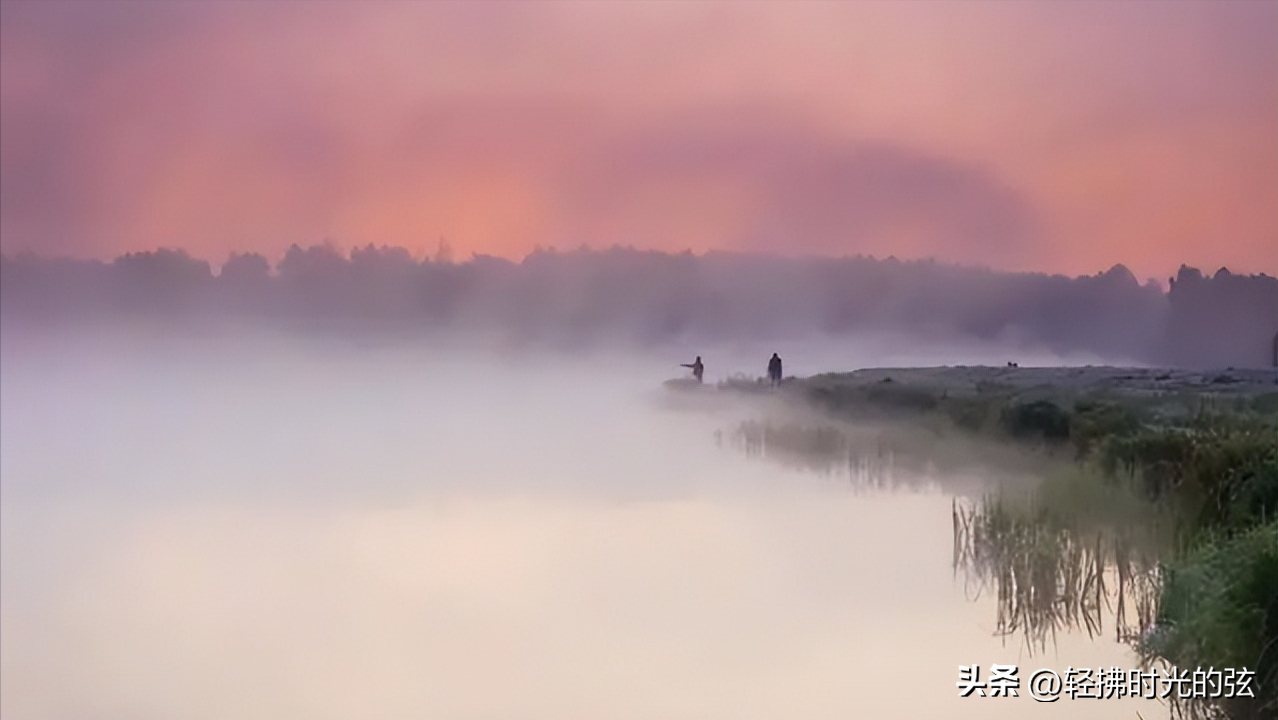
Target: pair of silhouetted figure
(774, 369)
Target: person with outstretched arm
(698, 369)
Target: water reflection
(1049, 579)
(332, 538)
(1047, 573)
(867, 459)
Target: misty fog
(584, 299)
(345, 355)
(264, 525)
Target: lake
(273, 529)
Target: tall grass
(1220, 472)
(1048, 579)
(1167, 526)
(1219, 608)
(1203, 494)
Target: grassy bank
(1160, 506)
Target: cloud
(1061, 136)
(730, 178)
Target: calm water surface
(272, 534)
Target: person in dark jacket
(698, 369)
(774, 369)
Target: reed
(1162, 526)
(1047, 578)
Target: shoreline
(1174, 489)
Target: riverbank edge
(1203, 443)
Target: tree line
(583, 296)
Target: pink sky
(1052, 136)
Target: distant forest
(576, 298)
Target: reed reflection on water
(1048, 575)
(329, 535)
(825, 449)
(1050, 579)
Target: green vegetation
(1210, 486)
(1159, 506)
(1219, 608)
(1219, 471)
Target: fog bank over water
(585, 300)
(225, 414)
(273, 527)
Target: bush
(900, 395)
(974, 414)
(1093, 421)
(1039, 419)
(1219, 608)
(1219, 472)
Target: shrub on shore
(1193, 471)
(1219, 608)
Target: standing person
(774, 369)
(698, 369)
